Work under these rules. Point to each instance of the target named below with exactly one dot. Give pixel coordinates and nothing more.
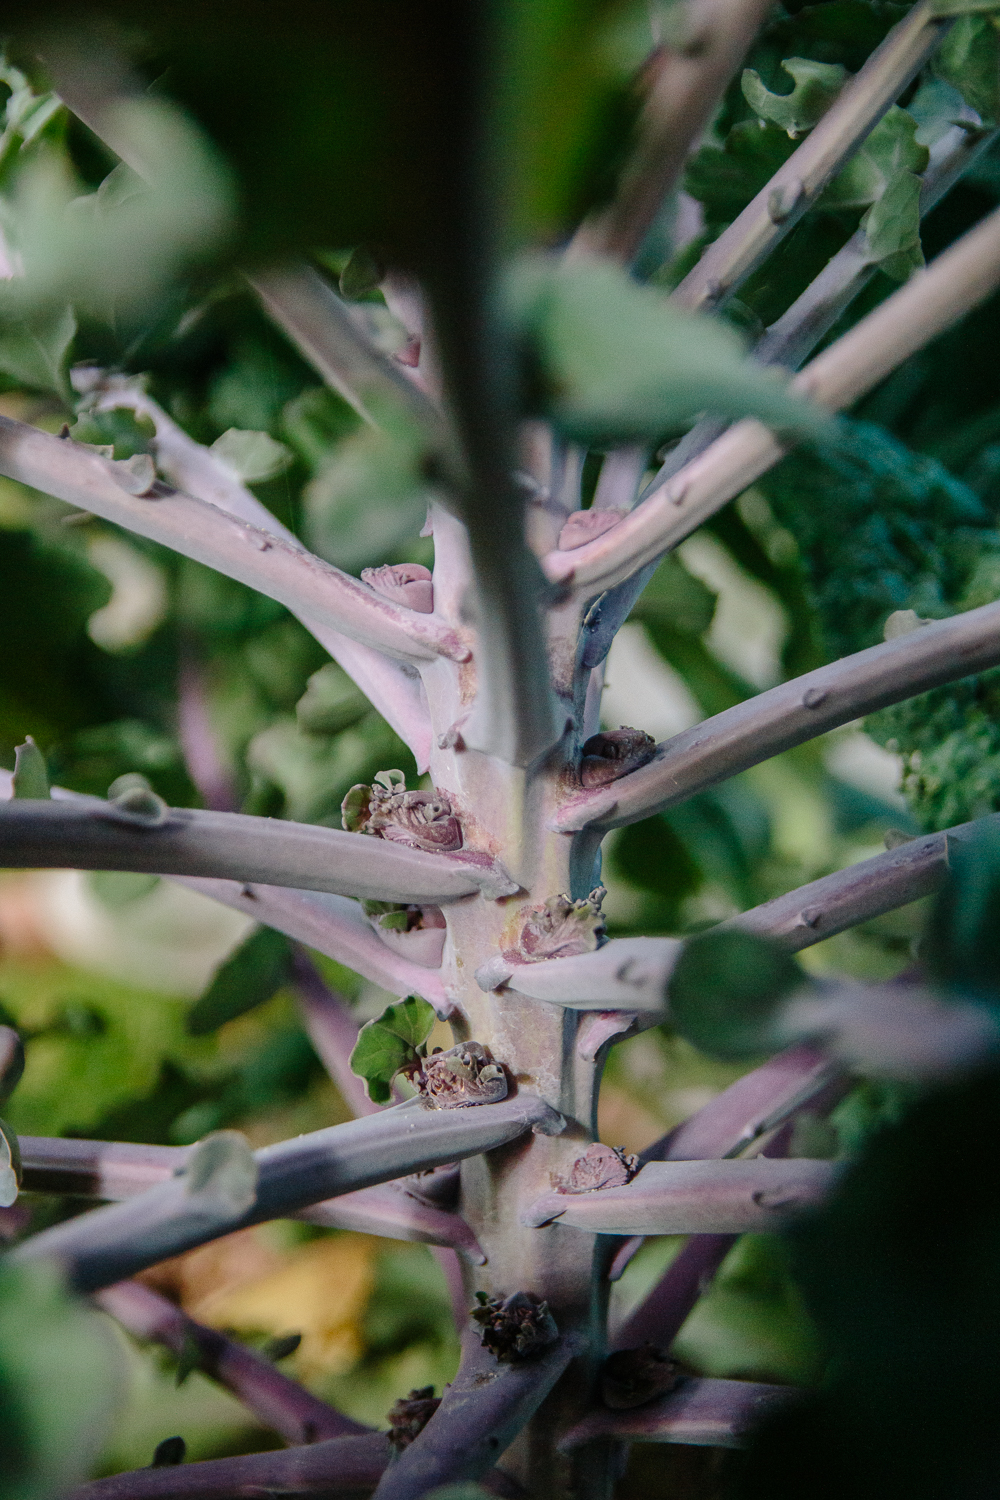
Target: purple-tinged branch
(333, 925)
(868, 889)
(391, 686)
(340, 1466)
(11, 1061)
(791, 714)
(931, 301)
(480, 1414)
(701, 1413)
(94, 835)
(119, 1170)
(254, 556)
(685, 83)
(275, 1400)
(116, 1242)
(692, 1197)
(781, 203)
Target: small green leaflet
(884, 175)
(389, 1043)
(10, 1166)
(34, 349)
(362, 274)
(726, 989)
(249, 977)
(969, 59)
(816, 86)
(251, 457)
(614, 361)
(31, 777)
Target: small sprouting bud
(133, 795)
(136, 475)
(614, 753)
(563, 927)
(584, 525)
(409, 354)
(31, 777)
(410, 584)
(421, 820)
(169, 1453)
(631, 1377)
(221, 1173)
(463, 1076)
(519, 1328)
(600, 1166)
(410, 1416)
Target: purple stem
(11, 1061)
(339, 1466)
(480, 1414)
(278, 1402)
(701, 1413)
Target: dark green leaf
(816, 86)
(969, 59)
(725, 990)
(362, 274)
(248, 978)
(126, 432)
(389, 1043)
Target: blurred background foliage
(111, 648)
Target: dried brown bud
(519, 1328)
(463, 1076)
(600, 1166)
(584, 525)
(421, 820)
(563, 927)
(634, 1376)
(614, 753)
(409, 584)
(410, 1416)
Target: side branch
(93, 835)
(116, 1242)
(332, 925)
(793, 189)
(790, 714)
(686, 81)
(392, 687)
(702, 1413)
(274, 1399)
(255, 557)
(931, 301)
(865, 890)
(693, 1197)
(481, 1413)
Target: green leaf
(248, 978)
(251, 456)
(617, 362)
(34, 349)
(370, 497)
(60, 1382)
(222, 1170)
(362, 274)
(892, 228)
(10, 1166)
(388, 1044)
(817, 84)
(127, 432)
(969, 59)
(725, 990)
(31, 776)
(725, 178)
